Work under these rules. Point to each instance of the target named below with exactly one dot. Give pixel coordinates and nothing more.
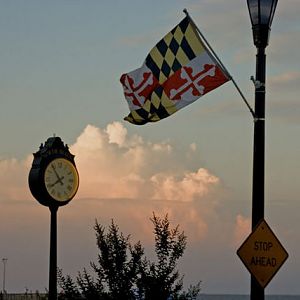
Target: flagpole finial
(186, 12)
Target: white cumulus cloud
(113, 164)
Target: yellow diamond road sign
(262, 253)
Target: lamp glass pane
(254, 11)
(274, 4)
(266, 8)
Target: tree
(118, 271)
(70, 289)
(124, 273)
(91, 289)
(161, 280)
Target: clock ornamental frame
(53, 178)
(53, 181)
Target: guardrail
(26, 296)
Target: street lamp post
(4, 260)
(261, 14)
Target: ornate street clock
(53, 178)
(53, 181)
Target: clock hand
(58, 178)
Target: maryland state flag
(176, 72)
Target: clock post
(53, 254)
(53, 181)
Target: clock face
(61, 179)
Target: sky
(60, 64)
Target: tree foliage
(123, 272)
(70, 289)
(118, 262)
(160, 280)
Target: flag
(177, 71)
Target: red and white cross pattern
(197, 78)
(137, 86)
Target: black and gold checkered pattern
(158, 107)
(175, 50)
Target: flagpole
(224, 69)
(245, 100)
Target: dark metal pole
(258, 190)
(4, 260)
(53, 254)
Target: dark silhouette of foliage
(70, 289)
(161, 280)
(114, 267)
(123, 272)
(91, 289)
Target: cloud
(282, 50)
(193, 147)
(191, 186)
(116, 133)
(114, 165)
(284, 94)
(132, 41)
(288, 80)
(13, 179)
(287, 12)
(242, 229)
